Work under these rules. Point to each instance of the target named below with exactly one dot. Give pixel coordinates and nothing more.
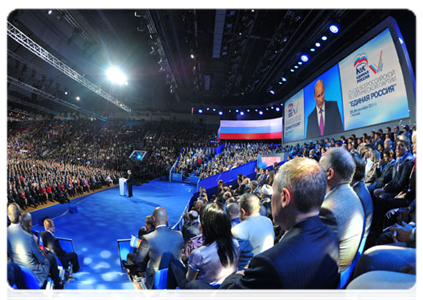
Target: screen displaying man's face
(319, 94)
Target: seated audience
(342, 210)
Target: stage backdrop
(250, 129)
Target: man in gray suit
(158, 246)
(22, 248)
(342, 210)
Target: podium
(123, 187)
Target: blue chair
(32, 285)
(124, 248)
(346, 274)
(160, 279)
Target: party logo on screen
(362, 67)
(291, 110)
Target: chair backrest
(30, 281)
(160, 279)
(346, 274)
(124, 248)
(66, 244)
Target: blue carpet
(104, 217)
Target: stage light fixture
(317, 44)
(50, 11)
(304, 58)
(324, 38)
(220, 113)
(214, 109)
(237, 110)
(241, 113)
(260, 112)
(280, 82)
(283, 79)
(300, 63)
(272, 92)
(292, 70)
(77, 98)
(312, 49)
(296, 67)
(278, 109)
(200, 111)
(116, 76)
(333, 28)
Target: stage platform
(99, 219)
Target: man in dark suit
(325, 118)
(306, 257)
(158, 247)
(129, 181)
(52, 243)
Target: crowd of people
(298, 225)
(281, 237)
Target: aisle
(104, 217)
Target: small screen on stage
(251, 129)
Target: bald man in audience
(342, 210)
(155, 244)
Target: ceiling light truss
(32, 105)
(50, 97)
(32, 46)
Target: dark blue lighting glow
(333, 28)
(241, 113)
(260, 112)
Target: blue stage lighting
(237, 110)
(280, 82)
(283, 79)
(200, 111)
(324, 38)
(272, 92)
(139, 156)
(304, 58)
(220, 113)
(333, 28)
(278, 109)
(312, 49)
(241, 113)
(292, 70)
(317, 44)
(260, 112)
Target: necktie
(322, 126)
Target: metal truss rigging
(50, 97)
(32, 105)
(42, 53)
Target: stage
(99, 219)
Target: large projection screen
(371, 82)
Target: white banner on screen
(294, 118)
(373, 88)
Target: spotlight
(66, 92)
(50, 12)
(248, 110)
(300, 63)
(138, 156)
(77, 98)
(237, 110)
(296, 67)
(333, 28)
(324, 38)
(292, 70)
(317, 44)
(241, 113)
(312, 49)
(200, 111)
(280, 82)
(272, 92)
(278, 109)
(192, 56)
(116, 76)
(214, 109)
(220, 113)
(260, 112)
(283, 79)
(304, 58)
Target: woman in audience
(218, 257)
(372, 173)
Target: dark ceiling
(176, 59)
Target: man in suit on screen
(325, 118)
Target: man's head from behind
(49, 225)
(249, 204)
(319, 93)
(14, 213)
(160, 216)
(339, 167)
(299, 189)
(360, 167)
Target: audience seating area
(51, 161)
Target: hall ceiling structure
(174, 59)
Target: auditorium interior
(124, 123)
